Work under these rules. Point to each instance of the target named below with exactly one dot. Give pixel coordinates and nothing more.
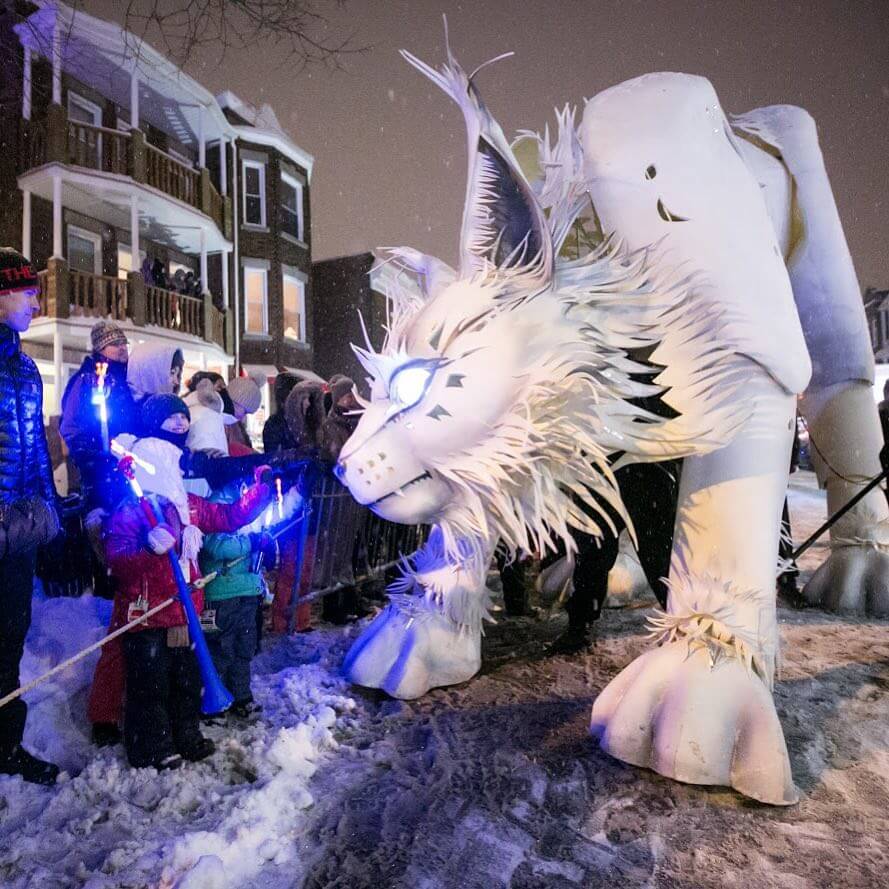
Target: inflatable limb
(430, 634)
(699, 709)
(407, 651)
(846, 440)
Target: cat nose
(340, 469)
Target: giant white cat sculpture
(504, 386)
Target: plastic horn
(216, 696)
(279, 497)
(120, 451)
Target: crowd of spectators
(173, 492)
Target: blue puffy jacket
(81, 428)
(27, 493)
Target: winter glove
(160, 540)
(26, 524)
(46, 521)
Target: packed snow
(494, 783)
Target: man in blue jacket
(86, 432)
(28, 516)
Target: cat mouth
(667, 215)
(399, 492)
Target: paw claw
(407, 654)
(853, 580)
(671, 712)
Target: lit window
(255, 299)
(125, 260)
(254, 192)
(294, 307)
(291, 206)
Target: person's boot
(197, 749)
(29, 767)
(106, 734)
(789, 593)
(572, 641)
(247, 710)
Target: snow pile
(57, 729)
(216, 824)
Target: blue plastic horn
(216, 696)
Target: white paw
(674, 713)
(853, 580)
(406, 652)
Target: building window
(256, 303)
(292, 207)
(83, 111)
(125, 260)
(294, 306)
(254, 192)
(88, 147)
(84, 251)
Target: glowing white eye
(409, 385)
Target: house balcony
(121, 165)
(66, 293)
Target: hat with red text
(16, 272)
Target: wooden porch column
(202, 146)
(203, 272)
(136, 157)
(57, 134)
(134, 98)
(225, 273)
(207, 310)
(57, 217)
(134, 232)
(223, 166)
(56, 61)
(26, 223)
(58, 289)
(137, 306)
(26, 85)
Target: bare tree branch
(185, 26)
(180, 27)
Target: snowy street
(495, 783)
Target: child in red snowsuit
(163, 683)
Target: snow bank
(57, 729)
(213, 825)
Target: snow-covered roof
(264, 128)
(96, 51)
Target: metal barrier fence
(347, 543)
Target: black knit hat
(158, 408)
(16, 272)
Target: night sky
(389, 147)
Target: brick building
(113, 162)
(344, 292)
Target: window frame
(299, 278)
(298, 187)
(85, 235)
(249, 163)
(88, 106)
(248, 265)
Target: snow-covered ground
(494, 783)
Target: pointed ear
(503, 224)
(426, 274)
